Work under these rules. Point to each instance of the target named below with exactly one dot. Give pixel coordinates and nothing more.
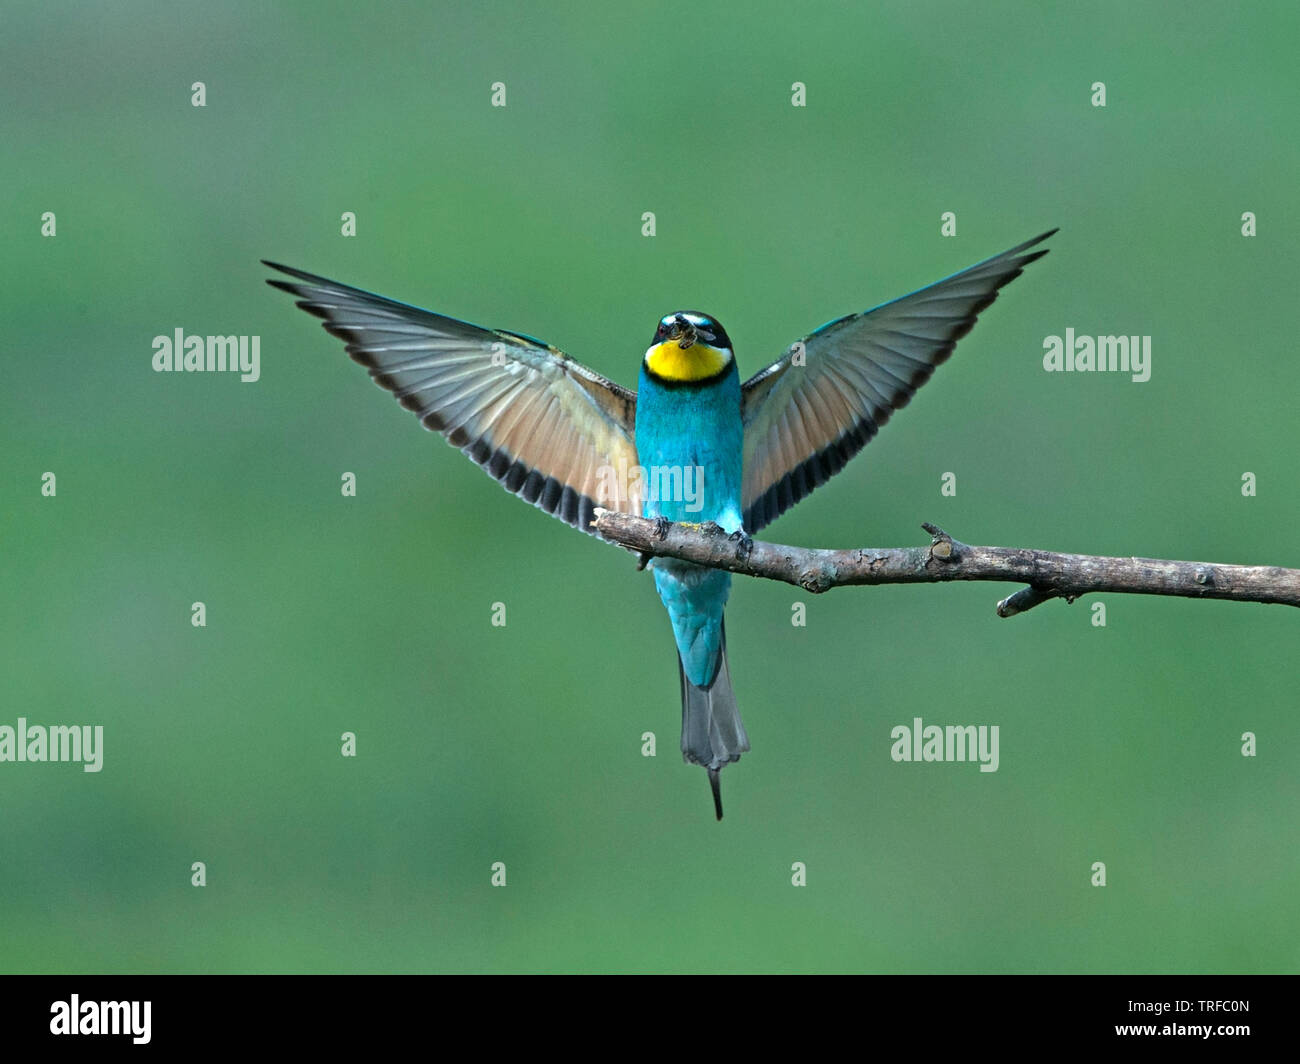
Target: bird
(692, 443)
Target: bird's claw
(744, 543)
(662, 525)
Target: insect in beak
(683, 332)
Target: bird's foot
(744, 543)
(662, 525)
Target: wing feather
(804, 422)
(548, 428)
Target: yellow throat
(673, 362)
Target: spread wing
(804, 422)
(549, 429)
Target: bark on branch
(1047, 575)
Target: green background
(523, 744)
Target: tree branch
(1048, 575)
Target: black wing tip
(1033, 243)
(298, 286)
(1014, 255)
(288, 270)
(301, 275)
(315, 280)
(303, 298)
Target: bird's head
(688, 346)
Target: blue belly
(689, 444)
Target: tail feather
(713, 734)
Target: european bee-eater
(692, 444)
